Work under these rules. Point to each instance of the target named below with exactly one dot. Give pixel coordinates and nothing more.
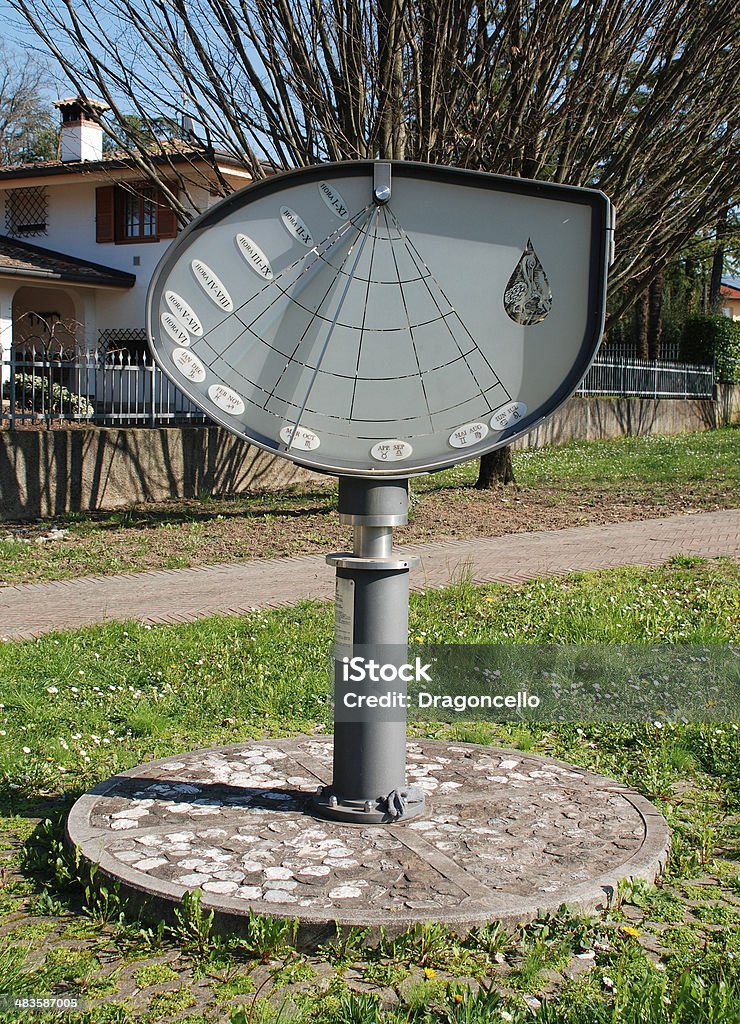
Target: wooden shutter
(166, 217)
(104, 213)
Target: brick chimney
(82, 137)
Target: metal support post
(369, 777)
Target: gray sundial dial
(381, 320)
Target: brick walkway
(182, 595)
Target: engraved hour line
(411, 329)
(362, 327)
(329, 242)
(418, 258)
(291, 358)
(360, 248)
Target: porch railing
(119, 388)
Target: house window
(124, 347)
(135, 212)
(26, 212)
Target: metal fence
(107, 389)
(639, 378)
(124, 388)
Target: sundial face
(375, 336)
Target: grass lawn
(79, 706)
(576, 484)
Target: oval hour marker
(175, 330)
(180, 308)
(226, 399)
(508, 414)
(211, 285)
(528, 296)
(391, 451)
(333, 199)
(295, 226)
(468, 435)
(189, 365)
(254, 257)
(302, 438)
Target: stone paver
(183, 595)
(505, 835)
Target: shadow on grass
(293, 506)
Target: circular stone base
(505, 836)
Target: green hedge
(37, 393)
(708, 338)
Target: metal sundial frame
(372, 581)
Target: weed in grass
(194, 925)
(358, 1008)
(268, 938)
(295, 972)
(493, 939)
(717, 913)
(45, 904)
(13, 972)
(347, 946)
(385, 975)
(154, 974)
(102, 905)
(464, 1005)
(417, 997)
(167, 1004)
(145, 720)
(473, 732)
(536, 955)
(31, 930)
(427, 945)
(238, 985)
(74, 967)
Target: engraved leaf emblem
(528, 296)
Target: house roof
(172, 153)
(729, 291)
(21, 259)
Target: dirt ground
(178, 534)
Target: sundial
(377, 320)
(382, 319)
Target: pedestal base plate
(505, 836)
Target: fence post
(152, 395)
(13, 370)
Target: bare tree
(636, 97)
(27, 129)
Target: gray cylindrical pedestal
(369, 774)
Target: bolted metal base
(381, 811)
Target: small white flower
(74, 689)
(608, 982)
(26, 750)
(52, 689)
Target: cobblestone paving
(183, 595)
(504, 834)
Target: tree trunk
(718, 263)
(495, 468)
(655, 316)
(641, 324)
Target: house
(730, 299)
(82, 236)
